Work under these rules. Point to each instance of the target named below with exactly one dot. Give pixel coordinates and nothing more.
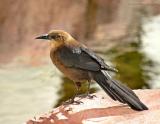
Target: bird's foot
(77, 102)
(89, 96)
(72, 101)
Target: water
(151, 48)
(26, 91)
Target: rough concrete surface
(103, 110)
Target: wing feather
(104, 66)
(82, 58)
(76, 58)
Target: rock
(103, 110)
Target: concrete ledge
(103, 110)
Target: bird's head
(56, 36)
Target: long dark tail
(118, 91)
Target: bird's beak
(44, 36)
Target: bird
(80, 64)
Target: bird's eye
(54, 36)
(57, 36)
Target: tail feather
(118, 91)
(109, 91)
(125, 88)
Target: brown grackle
(80, 64)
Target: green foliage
(130, 66)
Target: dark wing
(76, 58)
(80, 58)
(104, 66)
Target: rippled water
(26, 91)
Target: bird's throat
(56, 44)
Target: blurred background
(126, 33)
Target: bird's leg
(87, 93)
(71, 100)
(78, 85)
(88, 89)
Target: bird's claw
(91, 96)
(72, 101)
(87, 95)
(77, 102)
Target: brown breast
(74, 74)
